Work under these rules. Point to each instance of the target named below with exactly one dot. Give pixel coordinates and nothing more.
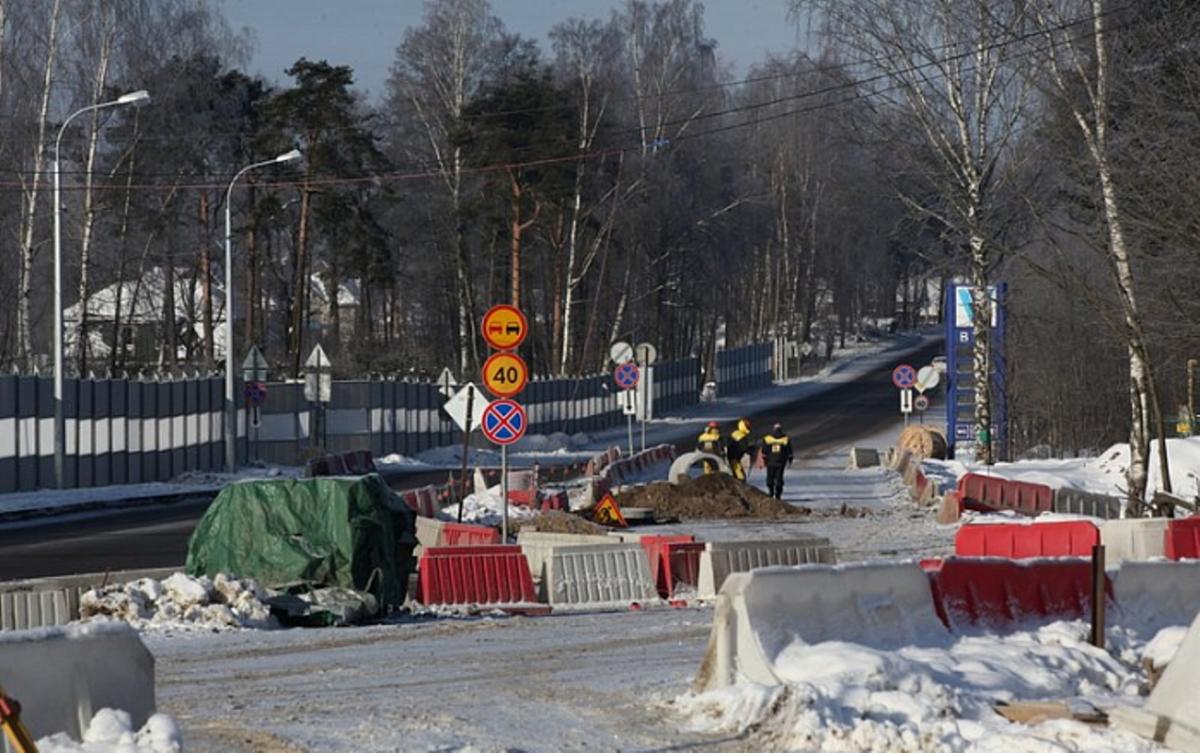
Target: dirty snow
(111, 731)
(847, 697)
(486, 508)
(181, 602)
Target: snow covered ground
(1102, 474)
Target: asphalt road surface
(147, 537)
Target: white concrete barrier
(429, 533)
(538, 545)
(1134, 539)
(598, 576)
(1157, 593)
(44, 602)
(760, 613)
(862, 457)
(1171, 715)
(722, 558)
(63, 675)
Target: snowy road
(565, 682)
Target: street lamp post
(60, 422)
(230, 410)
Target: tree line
(619, 181)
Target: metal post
(503, 492)
(230, 410)
(1191, 389)
(1098, 596)
(643, 433)
(60, 422)
(630, 427)
(466, 450)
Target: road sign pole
(630, 422)
(504, 492)
(462, 497)
(643, 434)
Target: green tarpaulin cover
(300, 534)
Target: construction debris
(555, 521)
(711, 496)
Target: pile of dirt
(556, 521)
(710, 496)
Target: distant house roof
(145, 295)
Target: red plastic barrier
(554, 501)
(1182, 538)
(475, 575)
(930, 564)
(680, 565)
(655, 547)
(427, 496)
(522, 497)
(1070, 538)
(465, 534)
(998, 593)
(420, 504)
(979, 492)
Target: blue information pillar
(960, 375)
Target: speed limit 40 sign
(505, 374)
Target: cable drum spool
(923, 442)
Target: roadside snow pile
(112, 731)
(839, 696)
(1103, 474)
(399, 460)
(487, 509)
(182, 601)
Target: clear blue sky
(364, 34)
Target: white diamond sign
(456, 406)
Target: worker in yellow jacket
(777, 449)
(710, 442)
(739, 447)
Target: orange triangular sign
(608, 514)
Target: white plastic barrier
(429, 533)
(1171, 715)
(538, 545)
(598, 576)
(63, 675)
(681, 464)
(760, 613)
(1134, 539)
(722, 558)
(24, 610)
(1158, 593)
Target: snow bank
(1103, 474)
(487, 509)
(181, 602)
(845, 697)
(111, 731)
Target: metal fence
(124, 431)
(744, 368)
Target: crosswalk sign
(607, 513)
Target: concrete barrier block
(863, 457)
(1158, 593)
(1078, 502)
(760, 613)
(1171, 715)
(63, 675)
(23, 610)
(1133, 539)
(722, 558)
(598, 576)
(537, 546)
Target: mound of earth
(710, 496)
(556, 521)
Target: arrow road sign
(626, 375)
(904, 376)
(646, 354)
(504, 422)
(317, 360)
